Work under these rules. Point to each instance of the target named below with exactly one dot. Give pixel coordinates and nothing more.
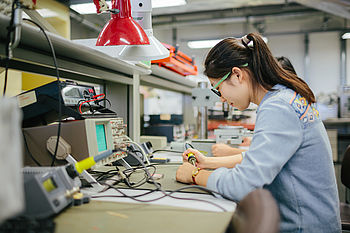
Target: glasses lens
(216, 92)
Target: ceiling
(339, 7)
(223, 11)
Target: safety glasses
(215, 90)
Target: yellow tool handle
(85, 164)
(191, 158)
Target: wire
(104, 176)
(30, 154)
(103, 107)
(173, 151)
(79, 102)
(105, 99)
(135, 198)
(59, 89)
(6, 75)
(140, 148)
(95, 99)
(158, 188)
(97, 102)
(142, 181)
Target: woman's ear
(237, 74)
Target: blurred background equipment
(178, 62)
(169, 125)
(232, 135)
(11, 182)
(158, 142)
(344, 101)
(203, 97)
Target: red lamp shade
(122, 29)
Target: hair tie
(247, 42)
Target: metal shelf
(82, 63)
(75, 61)
(166, 79)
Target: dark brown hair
(265, 70)
(286, 64)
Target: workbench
(117, 214)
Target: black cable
(103, 176)
(59, 89)
(7, 60)
(97, 102)
(173, 151)
(104, 99)
(7, 48)
(30, 154)
(142, 181)
(78, 104)
(135, 198)
(186, 187)
(107, 173)
(158, 188)
(137, 151)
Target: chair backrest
(257, 212)
(345, 168)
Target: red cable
(95, 96)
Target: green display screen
(101, 138)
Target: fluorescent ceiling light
(167, 3)
(202, 44)
(90, 8)
(85, 8)
(346, 36)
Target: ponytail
(266, 71)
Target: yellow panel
(14, 82)
(61, 26)
(61, 20)
(31, 81)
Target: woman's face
(235, 90)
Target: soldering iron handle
(190, 156)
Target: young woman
(222, 149)
(290, 154)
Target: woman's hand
(246, 141)
(201, 159)
(184, 173)
(221, 149)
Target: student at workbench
(289, 155)
(222, 149)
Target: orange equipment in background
(178, 62)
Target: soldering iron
(91, 161)
(190, 156)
